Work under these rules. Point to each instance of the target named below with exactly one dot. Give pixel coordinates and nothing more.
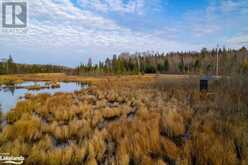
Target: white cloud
(202, 23)
(222, 21)
(58, 30)
(234, 5)
(131, 6)
(239, 40)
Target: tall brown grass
(131, 120)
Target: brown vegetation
(130, 120)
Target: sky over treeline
(68, 32)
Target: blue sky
(71, 31)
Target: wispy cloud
(234, 6)
(239, 40)
(69, 33)
(59, 27)
(133, 6)
(222, 21)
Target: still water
(9, 96)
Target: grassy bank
(153, 119)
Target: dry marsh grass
(127, 120)
(172, 124)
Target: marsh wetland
(11, 94)
(146, 119)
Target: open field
(150, 119)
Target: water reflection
(10, 89)
(10, 95)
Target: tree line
(8, 66)
(192, 62)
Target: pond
(10, 95)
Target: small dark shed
(204, 84)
